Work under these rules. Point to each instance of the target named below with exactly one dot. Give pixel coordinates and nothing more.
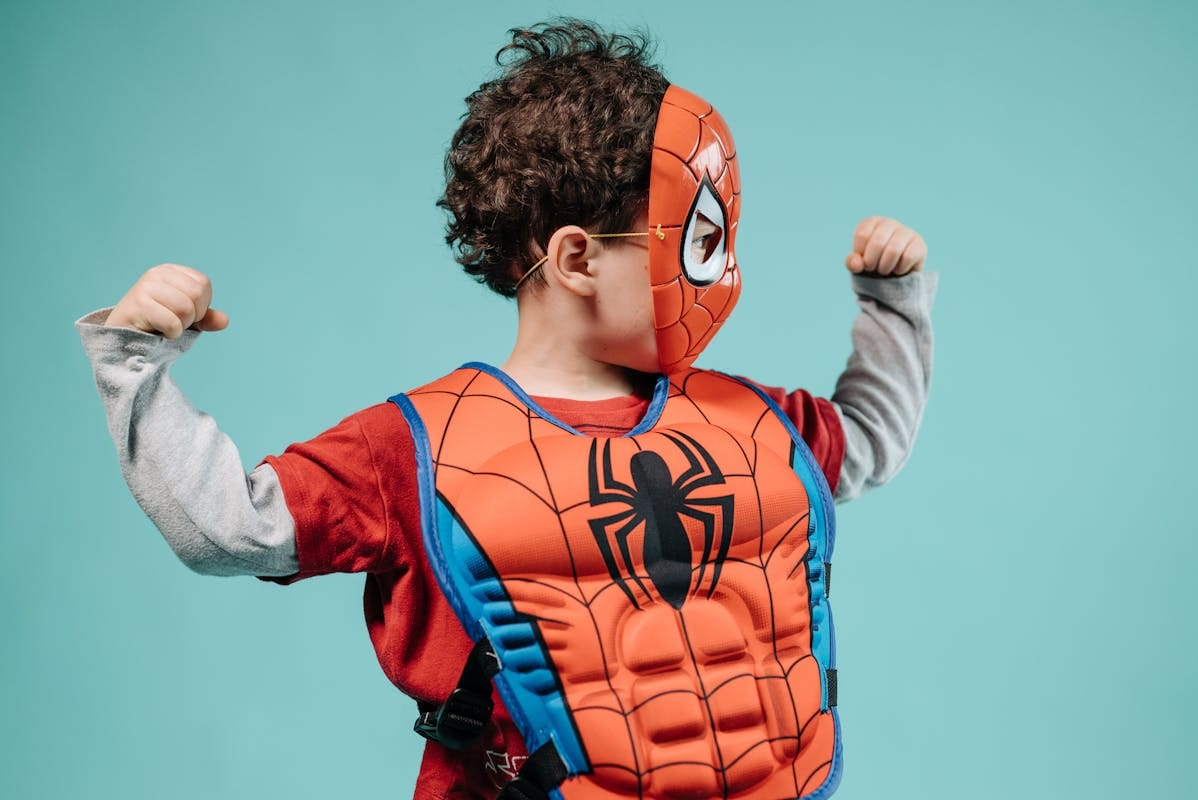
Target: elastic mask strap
(537, 265)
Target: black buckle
(458, 721)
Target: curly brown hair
(563, 136)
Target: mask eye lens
(704, 246)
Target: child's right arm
(185, 473)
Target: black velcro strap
(827, 578)
(465, 713)
(540, 774)
(481, 666)
(831, 673)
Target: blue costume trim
(426, 490)
(832, 782)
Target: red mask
(694, 205)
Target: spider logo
(659, 503)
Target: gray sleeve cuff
(111, 345)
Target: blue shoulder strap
(527, 683)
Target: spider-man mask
(694, 205)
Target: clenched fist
(168, 299)
(883, 246)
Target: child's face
(625, 301)
(625, 335)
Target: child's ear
(569, 259)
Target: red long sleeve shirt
(352, 492)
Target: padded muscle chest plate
(657, 600)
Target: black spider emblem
(659, 502)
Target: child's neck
(556, 355)
(549, 364)
(554, 372)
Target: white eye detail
(704, 242)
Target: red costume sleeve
(353, 494)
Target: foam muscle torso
(657, 600)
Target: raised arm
(186, 475)
(882, 392)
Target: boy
(636, 551)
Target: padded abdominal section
(699, 705)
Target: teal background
(1016, 611)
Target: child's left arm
(881, 394)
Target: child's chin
(637, 356)
(641, 362)
(647, 365)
